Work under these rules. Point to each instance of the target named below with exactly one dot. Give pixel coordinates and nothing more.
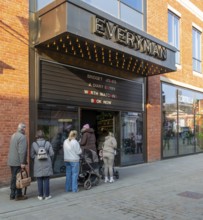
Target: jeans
(14, 192)
(43, 186)
(72, 171)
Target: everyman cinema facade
(90, 67)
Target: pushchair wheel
(95, 179)
(117, 174)
(63, 169)
(87, 184)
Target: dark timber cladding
(68, 85)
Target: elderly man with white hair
(17, 159)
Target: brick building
(14, 75)
(179, 23)
(133, 68)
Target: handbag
(22, 179)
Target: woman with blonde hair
(72, 151)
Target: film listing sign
(88, 89)
(103, 89)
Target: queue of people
(42, 154)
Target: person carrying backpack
(41, 152)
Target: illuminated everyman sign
(116, 33)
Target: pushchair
(88, 174)
(101, 167)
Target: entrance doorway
(127, 128)
(101, 120)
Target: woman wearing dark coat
(42, 168)
(88, 139)
(88, 144)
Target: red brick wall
(153, 119)
(157, 25)
(14, 86)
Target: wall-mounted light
(148, 105)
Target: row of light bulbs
(91, 51)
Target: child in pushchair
(88, 174)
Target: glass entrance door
(132, 138)
(103, 121)
(127, 128)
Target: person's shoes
(106, 180)
(21, 197)
(12, 197)
(48, 197)
(40, 197)
(76, 191)
(111, 180)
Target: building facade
(118, 66)
(14, 76)
(179, 94)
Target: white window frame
(197, 30)
(177, 15)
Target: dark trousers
(139, 148)
(14, 192)
(43, 186)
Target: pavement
(170, 189)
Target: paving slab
(163, 190)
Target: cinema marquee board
(79, 87)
